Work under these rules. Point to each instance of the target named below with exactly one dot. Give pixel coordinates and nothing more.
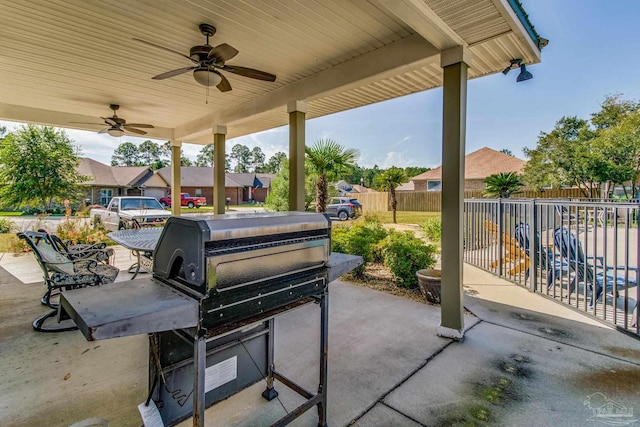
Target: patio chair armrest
(622, 267)
(91, 253)
(600, 259)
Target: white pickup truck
(130, 212)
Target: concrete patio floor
(525, 361)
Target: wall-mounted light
(524, 74)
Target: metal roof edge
(524, 19)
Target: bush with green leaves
(432, 229)
(359, 238)
(404, 254)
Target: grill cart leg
(324, 357)
(270, 393)
(200, 365)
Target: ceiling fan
(208, 60)
(117, 126)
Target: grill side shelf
(128, 308)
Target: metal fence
(582, 253)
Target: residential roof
(362, 189)
(111, 176)
(407, 186)
(197, 176)
(479, 165)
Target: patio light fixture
(524, 74)
(206, 77)
(115, 132)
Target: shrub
(359, 238)
(19, 246)
(7, 226)
(432, 229)
(404, 254)
(73, 231)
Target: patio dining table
(142, 242)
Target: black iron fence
(581, 253)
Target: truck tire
(121, 226)
(343, 215)
(190, 205)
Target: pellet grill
(218, 283)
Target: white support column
(297, 111)
(219, 184)
(455, 63)
(176, 181)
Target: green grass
(6, 239)
(403, 217)
(17, 213)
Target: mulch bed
(378, 277)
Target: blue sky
(593, 51)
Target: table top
(138, 239)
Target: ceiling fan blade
(224, 85)
(173, 73)
(165, 48)
(109, 121)
(222, 53)
(250, 72)
(134, 130)
(140, 125)
(86, 123)
(104, 130)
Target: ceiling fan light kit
(117, 126)
(114, 132)
(206, 77)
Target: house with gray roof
(105, 182)
(239, 187)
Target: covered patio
(525, 361)
(327, 57)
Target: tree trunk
(394, 204)
(321, 194)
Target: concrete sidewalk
(525, 361)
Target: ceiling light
(206, 77)
(524, 74)
(115, 132)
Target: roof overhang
(65, 62)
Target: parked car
(344, 208)
(130, 212)
(185, 200)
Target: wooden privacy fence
(430, 201)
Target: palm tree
(502, 185)
(329, 160)
(388, 181)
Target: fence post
(500, 242)
(533, 232)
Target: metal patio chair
(596, 273)
(63, 272)
(546, 258)
(98, 251)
